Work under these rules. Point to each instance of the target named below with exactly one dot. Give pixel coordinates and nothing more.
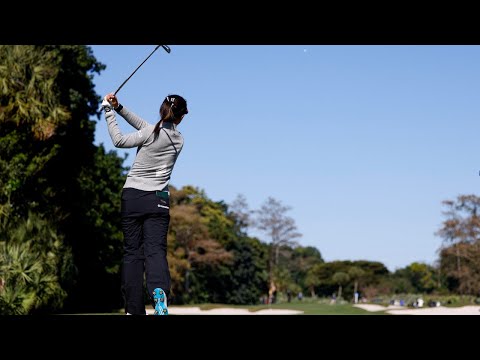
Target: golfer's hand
(112, 99)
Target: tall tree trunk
(439, 276)
(187, 273)
(271, 291)
(355, 288)
(187, 282)
(458, 260)
(339, 292)
(271, 284)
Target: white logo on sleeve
(139, 133)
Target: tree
(421, 276)
(31, 114)
(461, 241)
(239, 276)
(302, 260)
(466, 278)
(202, 253)
(248, 272)
(280, 230)
(197, 251)
(33, 261)
(340, 278)
(312, 280)
(293, 266)
(355, 274)
(241, 212)
(322, 275)
(50, 166)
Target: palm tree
(340, 278)
(31, 256)
(355, 274)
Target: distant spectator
(289, 295)
(334, 299)
(274, 297)
(300, 296)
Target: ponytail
(173, 106)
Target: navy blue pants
(145, 221)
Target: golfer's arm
(136, 121)
(124, 141)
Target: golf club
(165, 47)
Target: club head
(166, 48)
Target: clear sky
(363, 142)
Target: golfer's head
(173, 108)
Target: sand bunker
(180, 310)
(440, 310)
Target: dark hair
(173, 107)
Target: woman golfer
(145, 206)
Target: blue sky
(363, 142)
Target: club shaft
(167, 49)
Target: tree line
(60, 235)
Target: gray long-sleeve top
(155, 158)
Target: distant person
(300, 296)
(289, 295)
(334, 299)
(145, 206)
